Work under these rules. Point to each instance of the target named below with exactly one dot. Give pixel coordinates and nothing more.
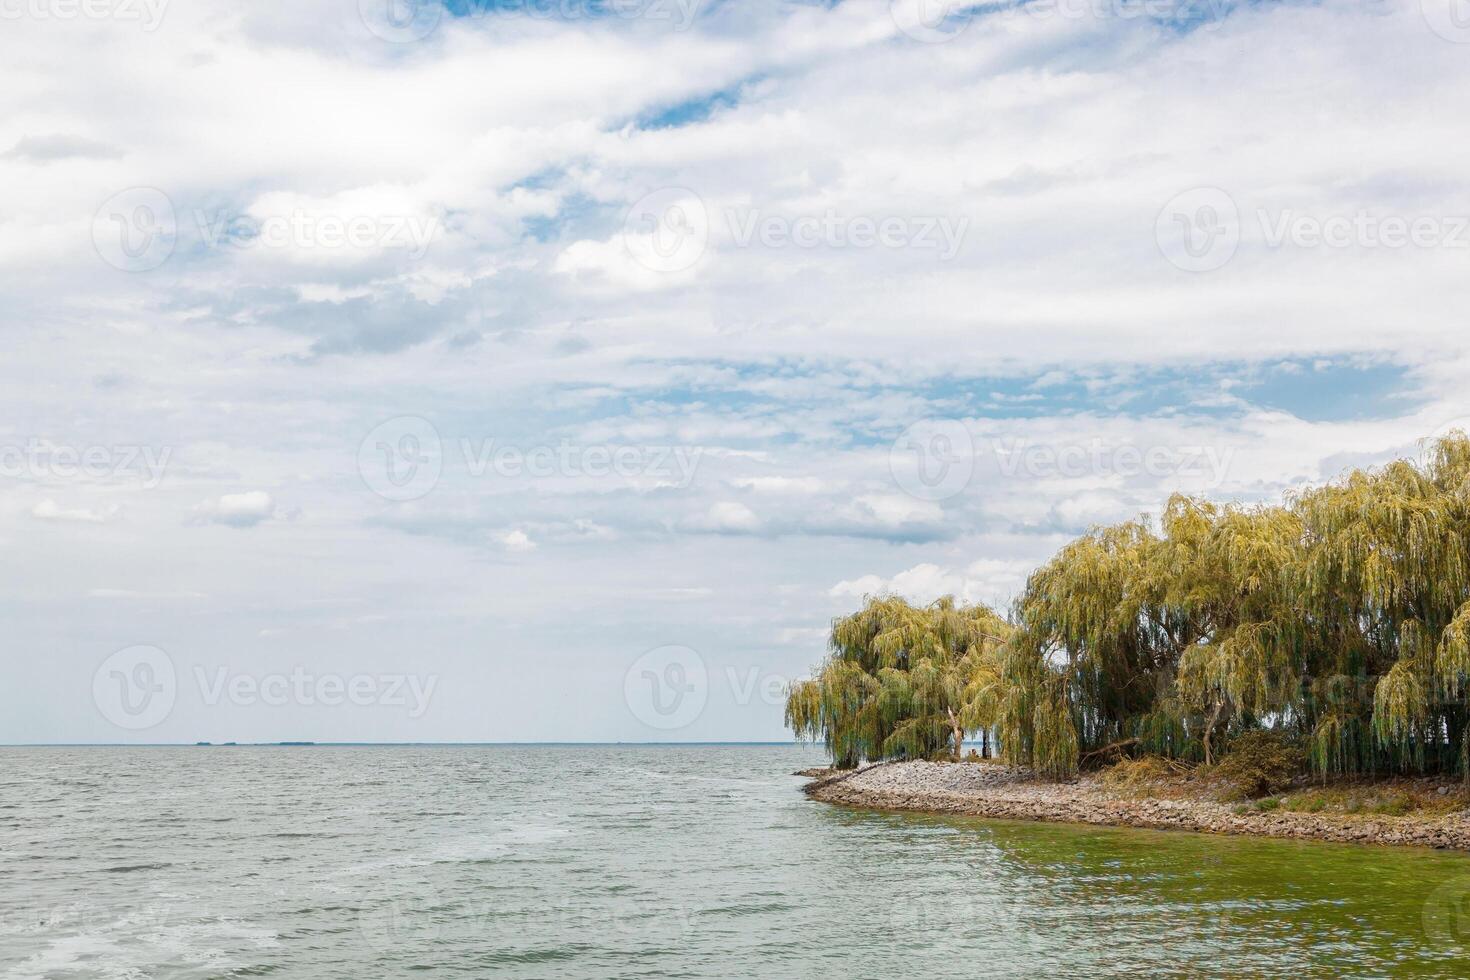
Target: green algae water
(623, 861)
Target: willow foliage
(1340, 617)
(902, 681)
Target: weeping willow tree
(903, 681)
(1341, 617)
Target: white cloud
(988, 580)
(789, 369)
(727, 516)
(237, 509)
(782, 484)
(49, 510)
(136, 595)
(516, 541)
(894, 508)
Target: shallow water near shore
(676, 861)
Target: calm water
(647, 862)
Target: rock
(994, 790)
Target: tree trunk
(1210, 729)
(959, 734)
(984, 743)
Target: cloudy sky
(558, 370)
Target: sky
(558, 370)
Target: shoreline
(995, 790)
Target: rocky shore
(993, 790)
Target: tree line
(1339, 618)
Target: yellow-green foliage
(1340, 617)
(1260, 762)
(902, 681)
(1140, 776)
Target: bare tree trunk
(984, 743)
(959, 734)
(1210, 729)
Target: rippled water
(647, 862)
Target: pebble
(1014, 793)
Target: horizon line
(307, 744)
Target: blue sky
(503, 354)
